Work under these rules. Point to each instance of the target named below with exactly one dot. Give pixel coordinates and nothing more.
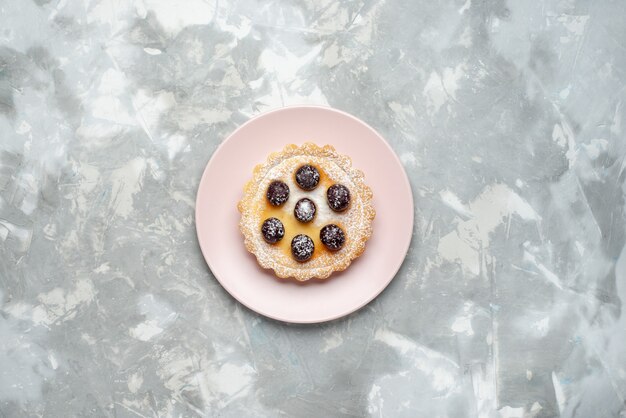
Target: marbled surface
(508, 115)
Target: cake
(306, 212)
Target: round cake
(306, 212)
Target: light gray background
(508, 116)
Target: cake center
(297, 208)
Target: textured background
(508, 116)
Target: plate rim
(406, 186)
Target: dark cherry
(333, 237)
(277, 193)
(302, 247)
(305, 210)
(307, 177)
(338, 197)
(273, 230)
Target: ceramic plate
(217, 217)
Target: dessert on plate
(306, 212)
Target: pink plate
(217, 216)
